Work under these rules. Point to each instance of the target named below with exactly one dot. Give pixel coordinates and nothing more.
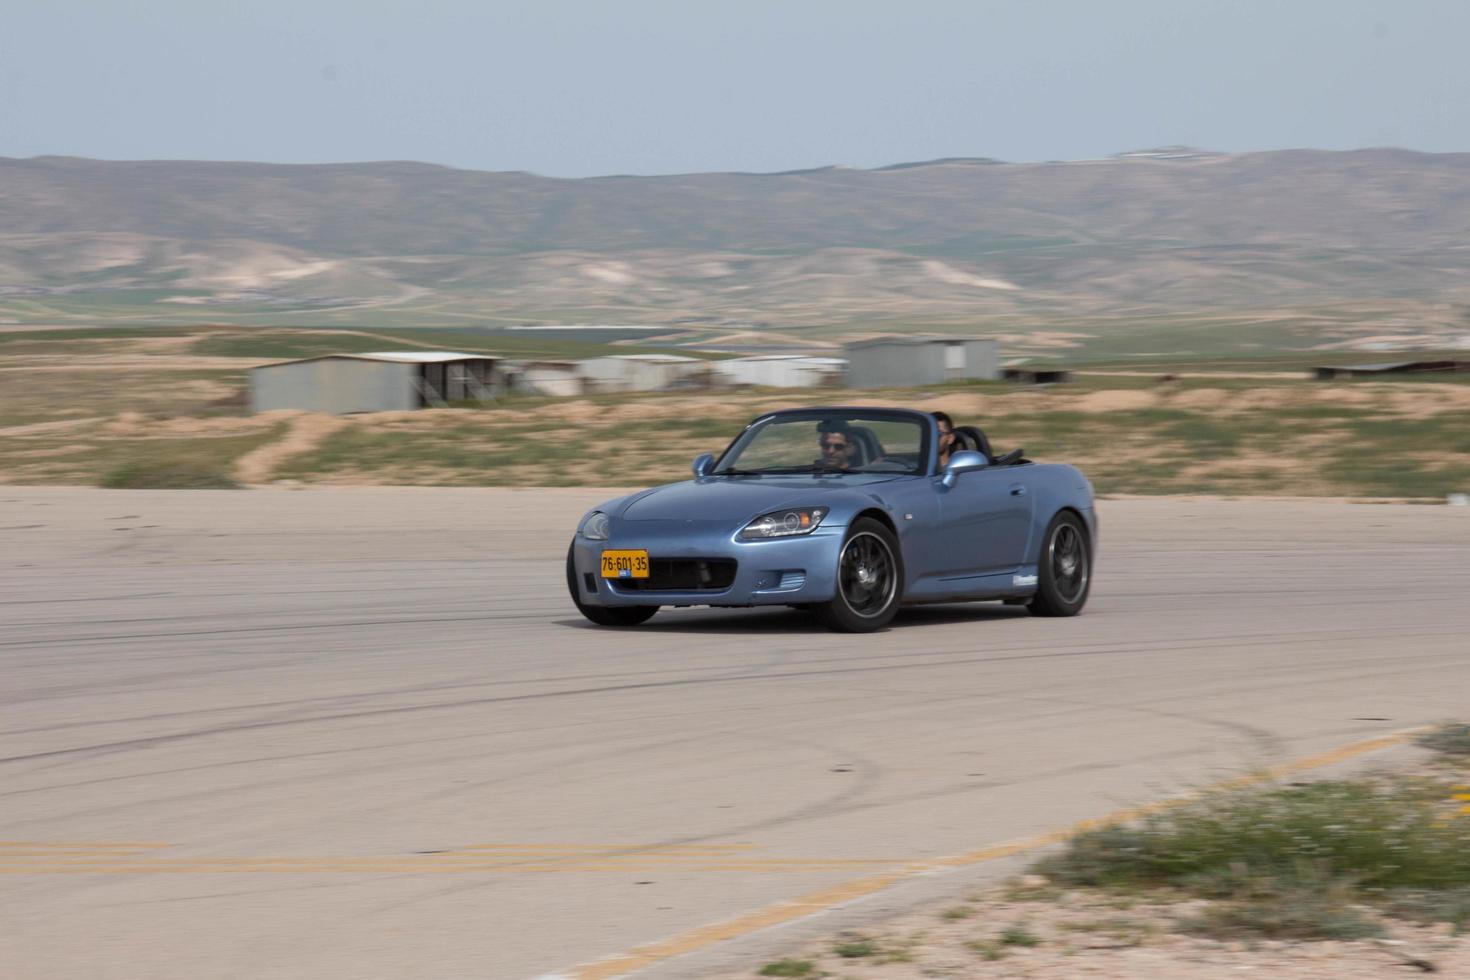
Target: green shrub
(1450, 905)
(1380, 834)
(1298, 913)
(1019, 935)
(988, 948)
(168, 474)
(1287, 861)
(1449, 739)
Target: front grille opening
(683, 575)
(590, 582)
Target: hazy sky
(577, 87)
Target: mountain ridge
(1169, 231)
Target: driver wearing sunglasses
(837, 446)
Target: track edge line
(834, 896)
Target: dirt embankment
(306, 432)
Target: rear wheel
(604, 615)
(869, 580)
(1065, 573)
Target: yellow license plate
(625, 564)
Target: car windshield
(838, 443)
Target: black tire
(1064, 569)
(605, 615)
(869, 580)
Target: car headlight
(784, 523)
(594, 528)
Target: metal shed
(1037, 376)
(781, 371)
(644, 372)
(560, 379)
(910, 361)
(1330, 372)
(378, 382)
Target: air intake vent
(682, 575)
(792, 580)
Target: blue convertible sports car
(847, 512)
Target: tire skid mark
(154, 740)
(813, 903)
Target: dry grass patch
(1235, 435)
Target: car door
(985, 520)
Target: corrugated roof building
(378, 382)
(1330, 372)
(925, 359)
(560, 379)
(644, 372)
(780, 371)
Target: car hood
(738, 498)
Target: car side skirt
(1014, 583)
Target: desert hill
(1376, 237)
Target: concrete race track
(362, 733)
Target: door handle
(1017, 490)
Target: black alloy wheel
(869, 580)
(604, 615)
(1065, 573)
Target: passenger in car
(946, 437)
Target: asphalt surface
(362, 733)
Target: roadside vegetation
(131, 453)
(1451, 740)
(1325, 860)
(1344, 877)
(168, 474)
(75, 406)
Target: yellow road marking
(365, 868)
(484, 859)
(823, 899)
(606, 847)
(94, 857)
(370, 866)
(54, 857)
(457, 859)
(105, 845)
(681, 859)
(508, 853)
(74, 849)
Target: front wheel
(605, 615)
(869, 580)
(1065, 573)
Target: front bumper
(779, 572)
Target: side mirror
(963, 461)
(702, 464)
